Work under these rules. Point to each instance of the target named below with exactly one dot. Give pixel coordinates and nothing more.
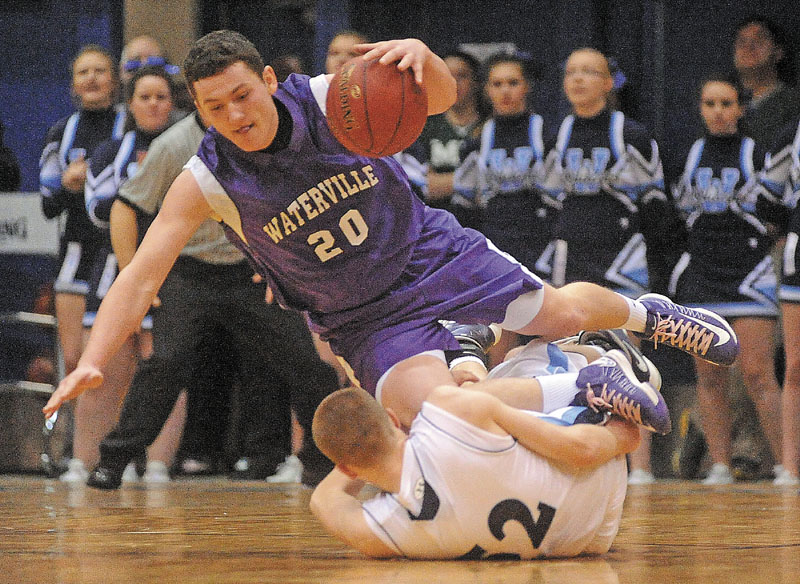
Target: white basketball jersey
(467, 493)
(539, 358)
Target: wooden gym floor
(218, 531)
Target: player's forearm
(582, 446)
(439, 84)
(119, 316)
(336, 487)
(517, 392)
(335, 505)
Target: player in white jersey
(476, 478)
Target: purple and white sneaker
(609, 339)
(609, 384)
(696, 331)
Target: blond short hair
(350, 427)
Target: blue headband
(151, 62)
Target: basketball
(374, 109)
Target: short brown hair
(215, 52)
(350, 427)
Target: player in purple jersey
(343, 238)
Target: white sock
(637, 316)
(466, 359)
(557, 390)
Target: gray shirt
(163, 163)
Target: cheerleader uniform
(782, 177)
(498, 177)
(111, 164)
(85, 253)
(616, 224)
(727, 266)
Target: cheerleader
(727, 266)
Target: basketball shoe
(696, 331)
(609, 384)
(643, 368)
(474, 339)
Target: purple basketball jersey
(331, 229)
(344, 238)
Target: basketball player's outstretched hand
(407, 53)
(84, 377)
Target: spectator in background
(499, 167)
(728, 267)
(764, 62)
(137, 51)
(782, 177)
(495, 182)
(87, 264)
(113, 162)
(431, 161)
(604, 171)
(144, 51)
(9, 166)
(340, 49)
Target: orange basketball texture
(375, 110)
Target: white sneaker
(289, 471)
(639, 476)
(156, 472)
(76, 472)
(784, 478)
(720, 474)
(129, 475)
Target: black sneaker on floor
(105, 477)
(692, 447)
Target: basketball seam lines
(366, 107)
(403, 78)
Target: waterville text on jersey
(319, 199)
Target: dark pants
(276, 362)
(209, 407)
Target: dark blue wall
(38, 40)
(663, 46)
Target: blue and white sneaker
(696, 331)
(609, 384)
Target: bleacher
(28, 262)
